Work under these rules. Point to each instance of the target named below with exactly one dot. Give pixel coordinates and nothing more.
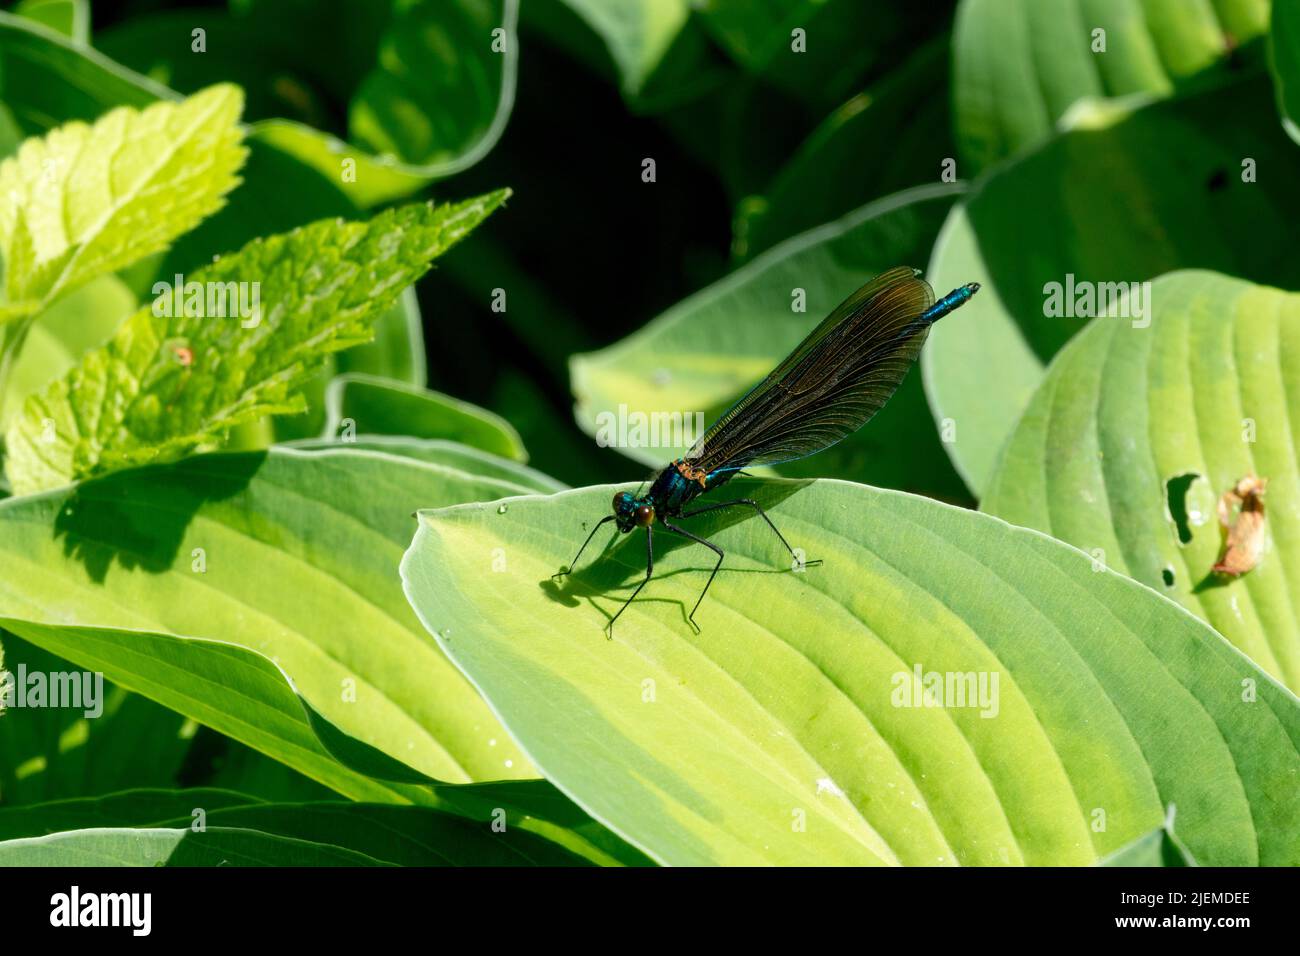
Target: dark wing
(831, 385)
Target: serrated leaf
(1136, 429)
(780, 733)
(1020, 64)
(138, 400)
(80, 321)
(84, 201)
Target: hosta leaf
(436, 91)
(87, 200)
(405, 836)
(51, 752)
(1284, 58)
(137, 400)
(1144, 191)
(1020, 64)
(1158, 848)
(365, 404)
(449, 92)
(841, 41)
(436, 451)
(1136, 431)
(779, 734)
(708, 350)
(175, 846)
(289, 553)
(134, 807)
(48, 75)
(841, 166)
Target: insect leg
(711, 546)
(569, 567)
(750, 502)
(649, 570)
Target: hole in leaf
(1176, 497)
(1168, 575)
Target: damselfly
(826, 389)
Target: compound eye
(619, 500)
(645, 516)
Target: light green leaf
(1206, 394)
(781, 733)
(367, 405)
(80, 321)
(1284, 58)
(1019, 65)
(436, 451)
(138, 400)
(706, 351)
(1133, 215)
(289, 553)
(396, 352)
(88, 200)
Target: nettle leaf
(694, 360)
(1135, 434)
(793, 729)
(1020, 64)
(87, 200)
(1190, 164)
(167, 384)
(83, 319)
